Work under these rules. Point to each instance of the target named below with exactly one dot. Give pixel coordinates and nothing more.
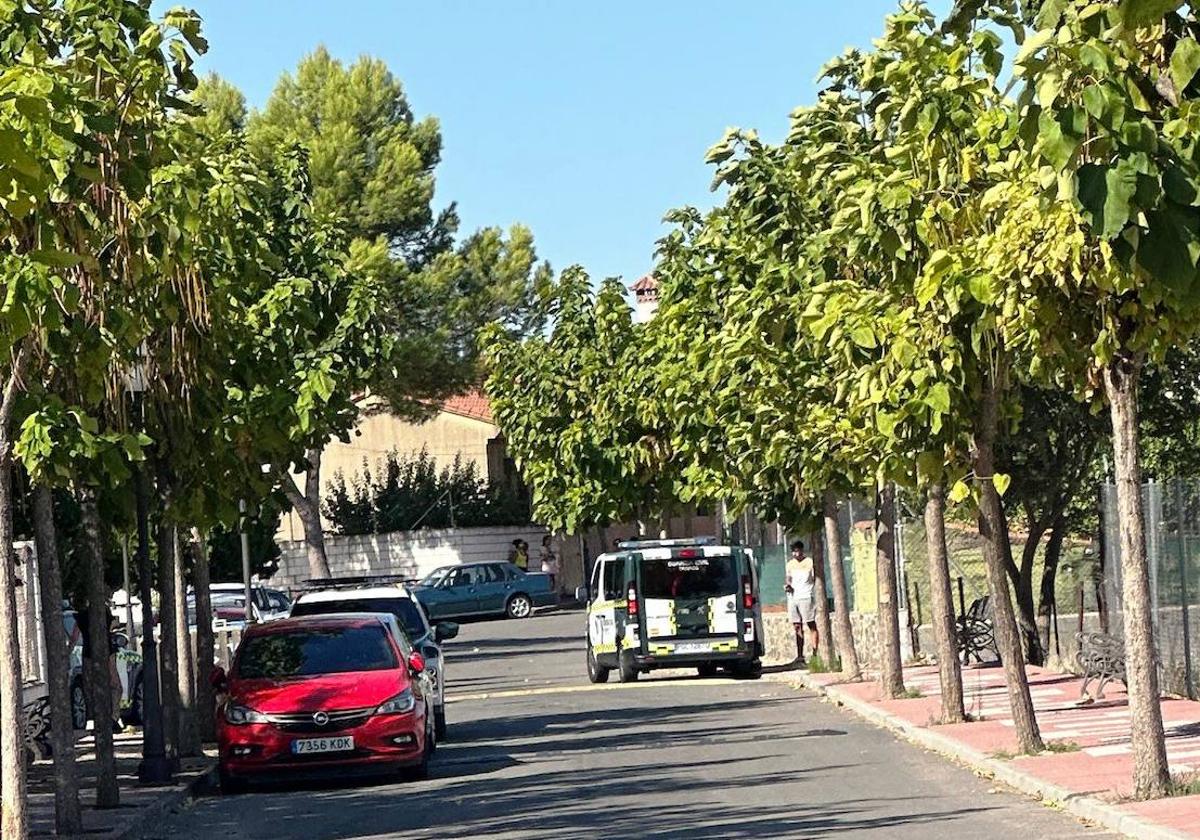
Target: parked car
(329, 694)
(129, 670)
(401, 603)
(269, 604)
(229, 604)
(478, 589)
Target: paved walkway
(139, 806)
(1094, 769)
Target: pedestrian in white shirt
(799, 583)
(550, 564)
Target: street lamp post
(245, 537)
(155, 768)
(128, 593)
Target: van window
(596, 579)
(613, 585)
(692, 577)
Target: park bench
(975, 631)
(1099, 657)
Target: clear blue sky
(585, 121)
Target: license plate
(692, 647)
(306, 746)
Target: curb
(1079, 805)
(158, 809)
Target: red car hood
(328, 692)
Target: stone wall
(411, 554)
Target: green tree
(1109, 100)
(372, 165)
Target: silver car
(400, 602)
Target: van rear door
(689, 594)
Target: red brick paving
(1102, 767)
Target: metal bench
(976, 635)
(1099, 657)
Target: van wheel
(627, 670)
(747, 670)
(439, 722)
(597, 673)
(706, 670)
(519, 606)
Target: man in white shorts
(799, 582)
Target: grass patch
(1003, 755)
(911, 694)
(1184, 784)
(817, 665)
(1062, 747)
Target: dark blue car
(479, 589)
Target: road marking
(572, 689)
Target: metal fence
(770, 542)
(1172, 511)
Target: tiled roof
(646, 284)
(473, 404)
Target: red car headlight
(239, 715)
(398, 705)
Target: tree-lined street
(534, 750)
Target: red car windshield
(310, 651)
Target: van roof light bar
(674, 543)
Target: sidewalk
(139, 807)
(1092, 778)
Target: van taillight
(631, 600)
(747, 593)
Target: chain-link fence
(1172, 512)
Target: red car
(324, 693)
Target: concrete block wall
(412, 554)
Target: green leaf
(1185, 61)
(1034, 43)
(982, 288)
(959, 492)
(1146, 12)
(938, 398)
(1105, 192)
(1001, 482)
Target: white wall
(409, 553)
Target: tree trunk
(206, 708)
(1023, 584)
(67, 818)
(155, 768)
(1151, 776)
(108, 793)
(14, 806)
(821, 602)
(1048, 599)
(168, 645)
(891, 672)
(992, 530)
(308, 507)
(189, 735)
(942, 605)
(14, 817)
(843, 632)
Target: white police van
(683, 603)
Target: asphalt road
(535, 751)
